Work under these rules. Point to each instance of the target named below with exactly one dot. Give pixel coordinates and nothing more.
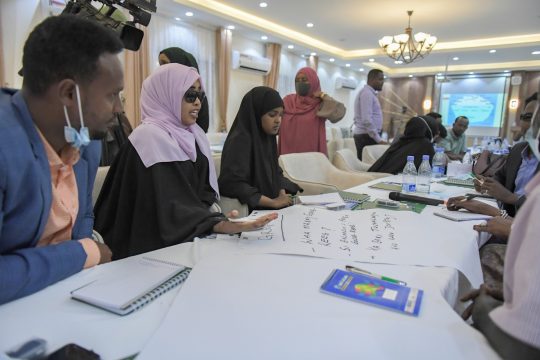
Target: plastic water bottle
(423, 181)
(439, 163)
(409, 176)
(467, 158)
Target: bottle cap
(410, 158)
(425, 157)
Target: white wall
(18, 18)
(242, 81)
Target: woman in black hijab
(416, 141)
(179, 56)
(249, 163)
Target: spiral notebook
(135, 283)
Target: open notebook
(460, 215)
(135, 283)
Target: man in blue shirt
(368, 119)
(70, 93)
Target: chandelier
(404, 48)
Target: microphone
(397, 196)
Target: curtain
(223, 42)
(2, 79)
(273, 51)
(198, 41)
(136, 69)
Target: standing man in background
(455, 143)
(368, 118)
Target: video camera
(111, 17)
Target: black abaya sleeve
(142, 209)
(235, 177)
(289, 186)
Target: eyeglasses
(191, 95)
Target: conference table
(238, 304)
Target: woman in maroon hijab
(302, 126)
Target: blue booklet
(374, 291)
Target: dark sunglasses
(526, 116)
(191, 95)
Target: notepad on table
(373, 291)
(137, 282)
(460, 215)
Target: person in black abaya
(179, 56)
(249, 162)
(162, 185)
(416, 141)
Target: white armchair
(98, 182)
(346, 160)
(371, 153)
(316, 175)
(225, 203)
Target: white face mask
(74, 138)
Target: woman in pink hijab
(305, 113)
(161, 187)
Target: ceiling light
(455, 58)
(410, 75)
(439, 74)
(492, 51)
(177, 18)
(398, 62)
(506, 71)
(407, 47)
(536, 52)
(371, 60)
(263, 4)
(264, 37)
(361, 69)
(310, 25)
(290, 47)
(231, 27)
(471, 72)
(313, 54)
(348, 65)
(331, 59)
(189, 13)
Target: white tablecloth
(52, 315)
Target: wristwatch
(503, 214)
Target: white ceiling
(351, 25)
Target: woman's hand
(319, 94)
(478, 183)
(497, 226)
(478, 207)
(230, 227)
(473, 296)
(498, 191)
(283, 200)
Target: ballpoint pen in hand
(368, 273)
